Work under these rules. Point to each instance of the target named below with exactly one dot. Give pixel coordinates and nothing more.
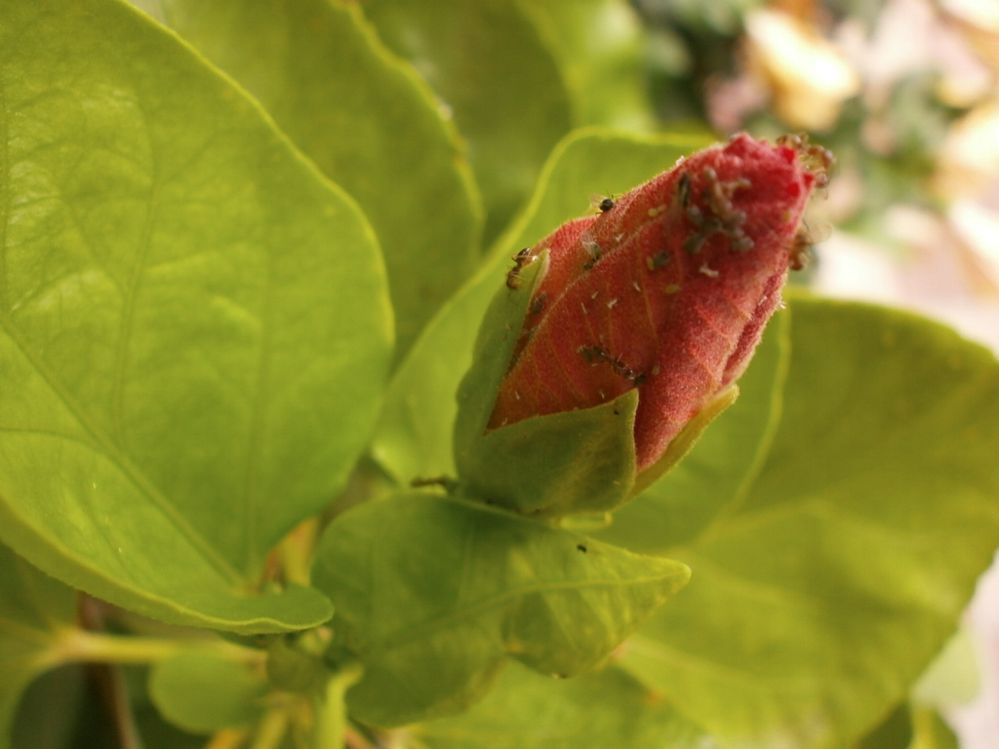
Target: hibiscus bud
(667, 291)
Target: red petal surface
(669, 291)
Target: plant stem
(295, 552)
(271, 729)
(227, 738)
(77, 645)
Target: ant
(521, 259)
(816, 159)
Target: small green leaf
(34, 611)
(527, 710)
(414, 436)
(432, 593)
(366, 119)
(194, 327)
(824, 591)
(203, 692)
(493, 71)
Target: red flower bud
(667, 290)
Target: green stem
(271, 729)
(77, 645)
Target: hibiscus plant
(333, 412)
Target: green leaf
(432, 593)
(414, 436)
(526, 710)
(601, 51)
(194, 329)
(203, 692)
(366, 119)
(723, 463)
(820, 596)
(35, 610)
(493, 71)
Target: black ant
(520, 260)
(597, 354)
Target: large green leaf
(433, 593)
(365, 118)
(414, 434)
(825, 590)
(34, 612)
(492, 69)
(526, 710)
(194, 328)
(723, 463)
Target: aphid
(592, 249)
(654, 262)
(816, 159)
(708, 271)
(683, 189)
(718, 214)
(522, 258)
(801, 250)
(606, 204)
(582, 548)
(538, 304)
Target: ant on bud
(816, 159)
(602, 203)
(521, 259)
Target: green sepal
(684, 442)
(559, 464)
(553, 465)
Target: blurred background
(906, 95)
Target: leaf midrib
(412, 632)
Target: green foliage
(344, 100)
(432, 593)
(530, 711)
(171, 318)
(206, 232)
(852, 551)
(495, 75)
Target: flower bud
(666, 291)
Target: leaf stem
(78, 645)
(271, 729)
